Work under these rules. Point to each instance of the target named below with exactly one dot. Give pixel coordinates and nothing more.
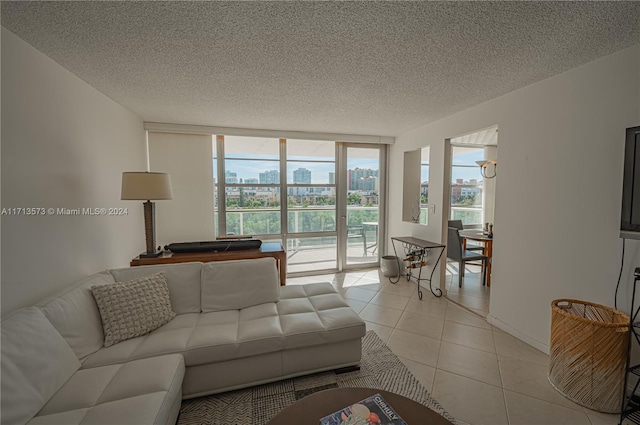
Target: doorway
(471, 190)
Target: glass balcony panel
(469, 216)
(253, 222)
(362, 234)
(311, 220)
(310, 254)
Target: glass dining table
(484, 238)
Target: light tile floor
(479, 373)
(473, 295)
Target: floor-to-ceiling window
(286, 190)
(311, 205)
(248, 183)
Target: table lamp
(147, 186)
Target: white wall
(188, 159)
(558, 190)
(64, 145)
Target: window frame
(283, 186)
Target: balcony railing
(266, 221)
(468, 214)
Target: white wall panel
(64, 145)
(188, 159)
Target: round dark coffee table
(316, 406)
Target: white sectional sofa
(234, 327)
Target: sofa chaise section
(42, 382)
(146, 391)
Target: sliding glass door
(362, 219)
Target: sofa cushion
(202, 338)
(183, 280)
(215, 338)
(316, 314)
(140, 391)
(234, 285)
(75, 315)
(133, 308)
(36, 362)
(226, 335)
(170, 338)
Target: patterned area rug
(379, 368)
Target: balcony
(307, 251)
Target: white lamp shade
(146, 186)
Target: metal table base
(416, 252)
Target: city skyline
(298, 176)
(464, 168)
(246, 167)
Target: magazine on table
(373, 410)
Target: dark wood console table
(267, 249)
(415, 253)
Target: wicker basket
(588, 353)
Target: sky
(464, 173)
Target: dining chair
(455, 252)
(458, 225)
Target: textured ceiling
(375, 68)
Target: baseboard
(514, 332)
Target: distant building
(251, 180)
(332, 178)
(355, 176)
(270, 177)
(302, 175)
(368, 183)
(469, 191)
(230, 177)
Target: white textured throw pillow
(134, 308)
